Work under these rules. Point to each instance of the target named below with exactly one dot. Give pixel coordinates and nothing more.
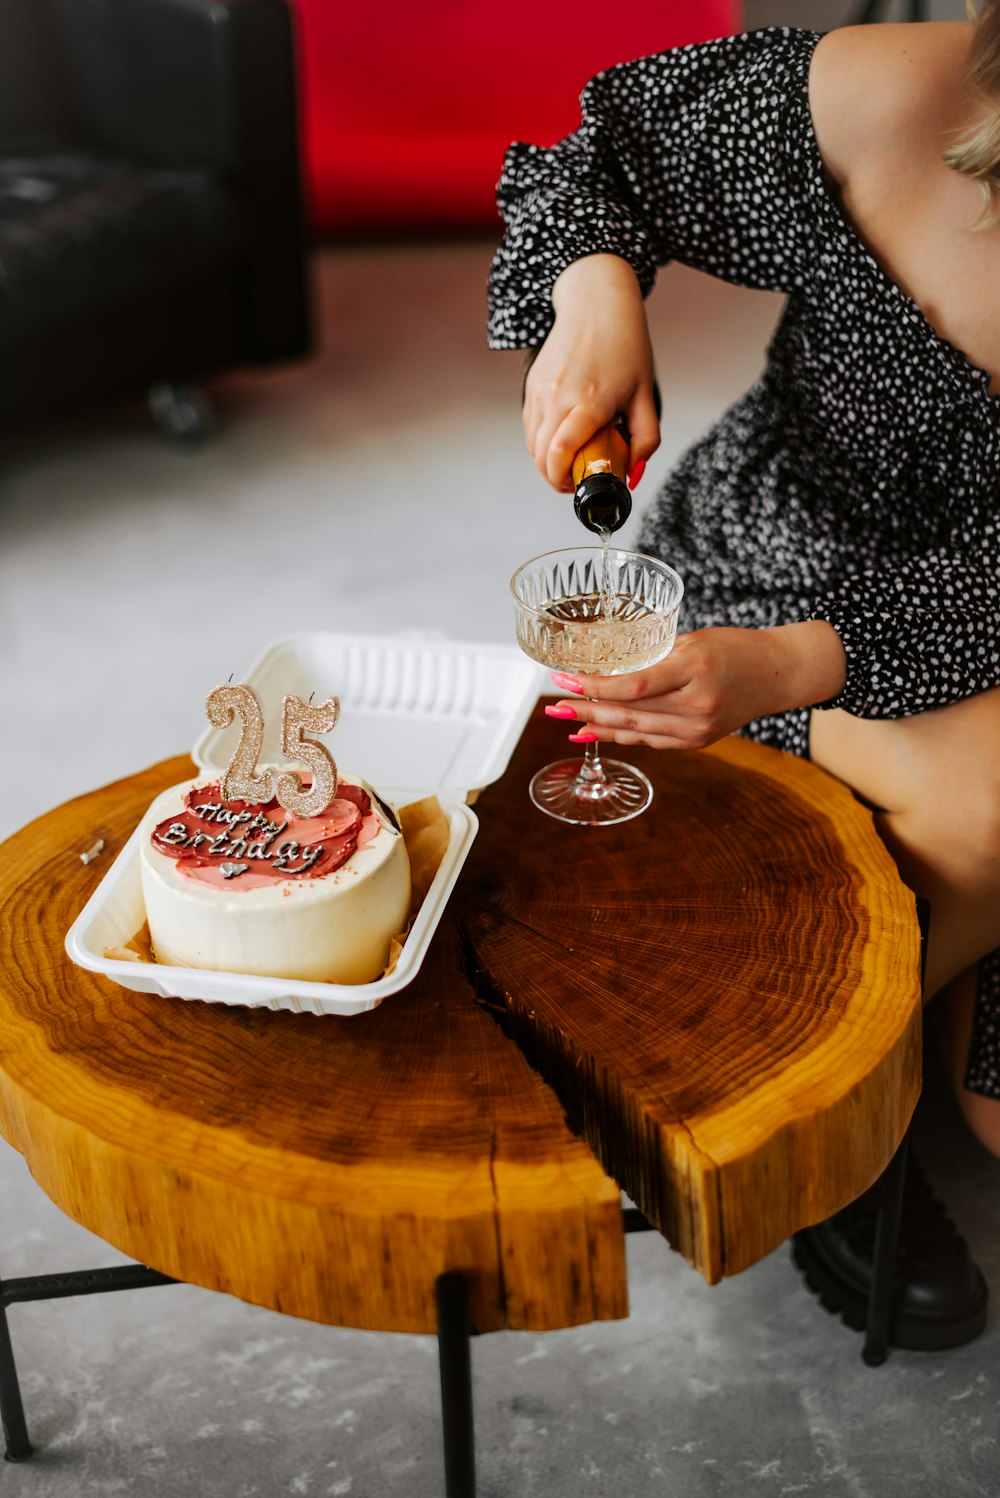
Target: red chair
(407, 117)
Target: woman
(838, 530)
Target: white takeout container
(418, 717)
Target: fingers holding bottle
(643, 422)
(595, 363)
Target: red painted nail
(566, 682)
(637, 473)
(560, 712)
(582, 738)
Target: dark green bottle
(602, 500)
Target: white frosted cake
(245, 888)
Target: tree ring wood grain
(724, 993)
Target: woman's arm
(692, 155)
(713, 682)
(595, 362)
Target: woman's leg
(958, 1001)
(935, 779)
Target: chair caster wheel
(183, 415)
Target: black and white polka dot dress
(858, 481)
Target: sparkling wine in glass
(565, 620)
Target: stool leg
(452, 1296)
(876, 1348)
(18, 1446)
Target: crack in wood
(597, 1107)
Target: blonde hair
(977, 154)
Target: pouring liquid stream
(602, 628)
(599, 630)
(607, 601)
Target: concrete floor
(395, 459)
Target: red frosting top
(248, 846)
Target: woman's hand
(713, 681)
(595, 362)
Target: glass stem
(591, 771)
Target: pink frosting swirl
(240, 845)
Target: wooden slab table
(717, 1005)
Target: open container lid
(418, 716)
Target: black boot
(939, 1294)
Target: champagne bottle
(602, 500)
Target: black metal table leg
(17, 1446)
(52, 1287)
(876, 1348)
(452, 1296)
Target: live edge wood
(724, 993)
(330, 1168)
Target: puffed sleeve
(701, 154)
(917, 636)
(925, 632)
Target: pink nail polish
(637, 473)
(566, 682)
(559, 712)
(582, 738)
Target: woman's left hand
(713, 681)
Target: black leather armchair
(151, 223)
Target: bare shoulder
(884, 91)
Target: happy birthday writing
(226, 845)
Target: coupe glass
(560, 621)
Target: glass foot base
(566, 791)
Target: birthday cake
(250, 887)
